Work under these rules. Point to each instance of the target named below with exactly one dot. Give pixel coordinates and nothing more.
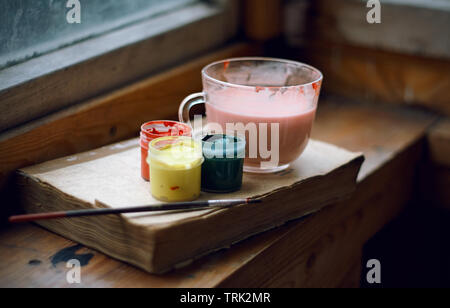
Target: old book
(160, 241)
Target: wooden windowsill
(321, 250)
(70, 75)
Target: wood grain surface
(262, 19)
(372, 75)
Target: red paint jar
(157, 129)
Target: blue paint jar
(222, 170)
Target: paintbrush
(135, 209)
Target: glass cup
(271, 102)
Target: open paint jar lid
(156, 129)
(223, 146)
(175, 152)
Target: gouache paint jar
(157, 129)
(176, 164)
(222, 170)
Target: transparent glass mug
(272, 102)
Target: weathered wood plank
(352, 279)
(262, 19)
(76, 73)
(409, 27)
(403, 60)
(373, 75)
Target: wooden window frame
(76, 73)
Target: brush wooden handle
(135, 209)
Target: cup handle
(187, 104)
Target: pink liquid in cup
(295, 118)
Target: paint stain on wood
(69, 253)
(35, 262)
(311, 261)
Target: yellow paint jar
(175, 173)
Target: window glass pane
(32, 27)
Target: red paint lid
(156, 129)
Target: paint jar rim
(147, 133)
(196, 155)
(230, 152)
